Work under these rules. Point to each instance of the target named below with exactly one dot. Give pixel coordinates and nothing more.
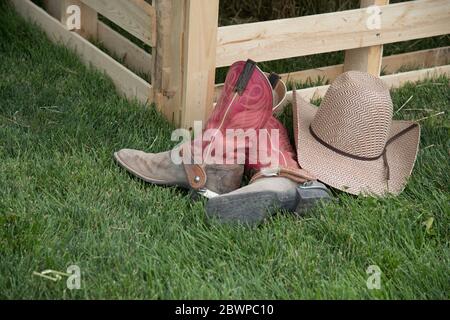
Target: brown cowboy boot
(158, 168)
(284, 186)
(246, 102)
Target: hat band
(349, 155)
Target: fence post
(366, 59)
(185, 59)
(163, 85)
(58, 9)
(199, 60)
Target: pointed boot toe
(156, 168)
(125, 156)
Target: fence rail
(121, 47)
(187, 45)
(286, 38)
(422, 59)
(135, 16)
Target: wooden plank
(53, 7)
(135, 16)
(163, 63)
(366, 59)
(126, 82)
(390, 64)
(199, 60)
(132, 56)
(172, 76)
(419, 59)
(184, 59)
(393, 81)
(326, 73)
(279, 39)
(399, 79)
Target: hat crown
(355, 115)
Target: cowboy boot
(159, 169)
(246, 102)
(275, 186)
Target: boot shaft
(246, 103)
(246, 100)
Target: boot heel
(310, 194)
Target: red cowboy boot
(246, 102)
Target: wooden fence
(187, 45)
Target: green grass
(63, 201)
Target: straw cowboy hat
(351, 142)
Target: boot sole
(253, 208)
(246, 208)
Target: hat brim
(351, 175)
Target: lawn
(63, 201)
